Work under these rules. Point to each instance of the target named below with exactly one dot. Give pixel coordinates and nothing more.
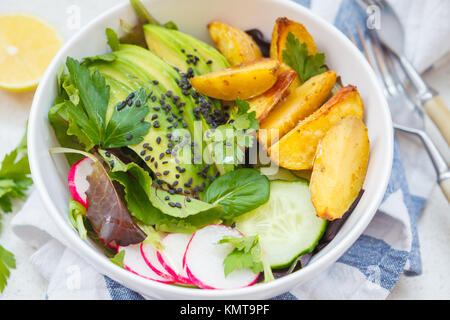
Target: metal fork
(391, 34)
(405, 113)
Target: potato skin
(244, 81)
(264, 103)
(340, 168)
(296, 150)
(283, 26)
(300, 103)
(235, 44)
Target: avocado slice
(166, 149)
(183, 51)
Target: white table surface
(26, 283)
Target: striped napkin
(368, 270)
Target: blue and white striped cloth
(368, 270)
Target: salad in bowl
(209, 166)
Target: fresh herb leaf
(77, 213)
(14, 181)
(108, 57)
(246, 254)
(118, 258)
(88, 119)
(14, 176)
(298, 58)
(239, 192)
(7, 262)
(170, 25)
(227, 142)
(113, 39)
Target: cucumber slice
(287, 225)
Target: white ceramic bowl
(49, 172)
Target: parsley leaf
(246, 254)
(227, 142)
(297, 57)
(14, 176)
(7, 262)
(14, 181)
(88, 118)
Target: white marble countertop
(26, 283)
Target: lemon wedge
(27, 45)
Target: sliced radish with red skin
(204, 260)
(171, 258)
(78, 184)
(134, 262)
(149, 254)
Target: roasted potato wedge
(244, 81)
(340, 168)
(296, 150)
(264, 103)
(298, 105)
(283, 26)
(235, 44)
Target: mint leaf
(297, 57)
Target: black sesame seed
(170, 144)
(187, 191)
(165, 162)
(175, 184)
(138, 103)
(178, 205)
(177, 176)
(111, 163)
(155, 82)
(147, 158)
(158, 140)
(172, 204)
(171, 191)
(142, 152)
(129, 137)
(188, 199)
(209, 62)
(156, 108)
(168, 151)
(156, 124)
(155, 116)
(130, 102)
(154, 98)
(179, 190)
(170, 119)
(161, 156)
(158, 174)
(166, 198)
(107, 154)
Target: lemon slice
(27, 45)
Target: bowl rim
(104, 266)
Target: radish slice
(135, 263)
(149, 253)
(78, 184)
(204, 258)
(171, 258)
